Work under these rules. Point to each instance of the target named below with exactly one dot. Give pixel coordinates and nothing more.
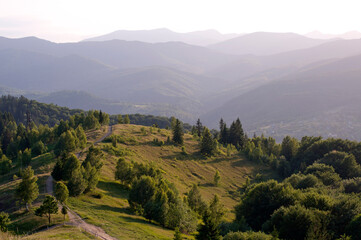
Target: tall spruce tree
(223, 132)
(208, 144)
(28, 189)
(178, 132)
(236, 134)
(209, 229)
(199, 128)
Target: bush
(248, 236)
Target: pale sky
(73, 20)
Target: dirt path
(74, 218)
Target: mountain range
(277, 83)
(201, 38)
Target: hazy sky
(72, 20)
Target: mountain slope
(127, 54)
(246, 66)
(323, 97)
(201, 38)
(264, 43)
(41, 72)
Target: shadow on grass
(113, 189)
(125, 210)
(182, 156)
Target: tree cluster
(79, 178)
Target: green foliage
(61, 192)
(300, 181)
(289, 147)
(80, 134)
(38, 148)
(26, 157)
(41, 113)
(93, 157)
(352, 185)
(297, 222)
(5, 165)
(126, 119)
(66, 143)
(209, 229)
(119, 119)
(261, 200)
(208, 144)
(123, 172)
(4, 221)
(248, 236)
(49, 206)
(216, 209)
(199, 128)
(178, 132)
(177, 234)
(353, 229)
(343, 163)
(91, 176)
(195, 201)
(325, 173)
(27, 190)
(343, 211)
(236, 134)
(64, 211)
(317, 201)
(141, 192)
(216, 178)
(77, 184)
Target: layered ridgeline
(187, 81)
(146, 182)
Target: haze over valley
(277, 83)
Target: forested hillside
(143, 181)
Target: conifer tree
(223, 132)
(126, 119)
(101, 117)
(177, 234)
(120, 119)
(236, 134)
(216, 178)
(80, 134)
(28, 189)
(209, 229)
(195, 200)
(178, 132)
(4, 221)
(208, 144)
(199, 128)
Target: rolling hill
(265, 43)
(314, 101)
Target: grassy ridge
(111, 212)
(136, 144)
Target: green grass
(61, 233)
(112, 214)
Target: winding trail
(74, 218)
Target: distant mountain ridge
(201, 38)
(288, 93)
(347, 35)
(265, 43)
